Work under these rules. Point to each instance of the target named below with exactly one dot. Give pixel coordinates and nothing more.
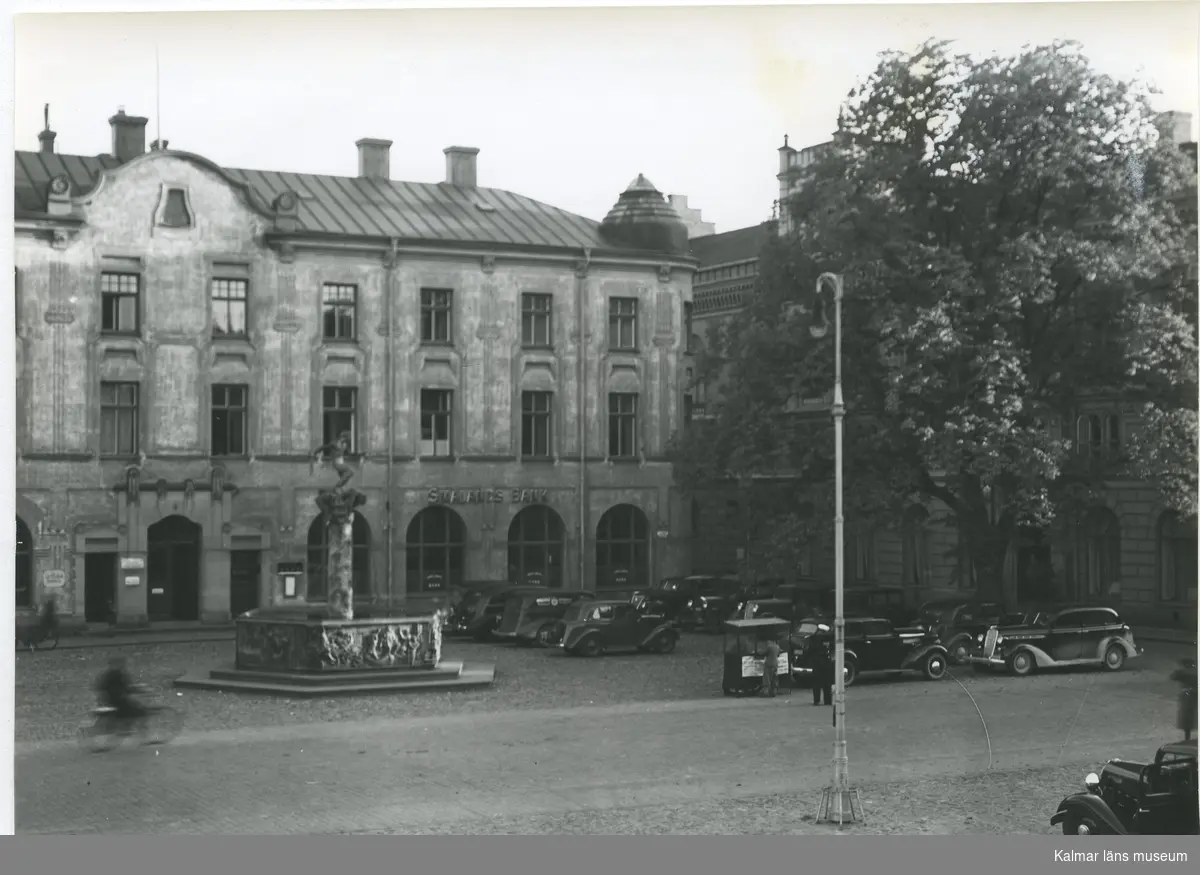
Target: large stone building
(1130, 549)
(508, 374)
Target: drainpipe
(580, 388)
(391, 416)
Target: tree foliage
(1014, 254)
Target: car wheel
(590, 646)
(850, 672)
(960, 654)
(1114, 658)
(1021, 663)
(935, 667)
(1081, 826)
(666, 643)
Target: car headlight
(1092, 782)
(978, 639)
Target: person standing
(822, 677)
(771, 667)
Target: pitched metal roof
(358, 207)
(743, 244)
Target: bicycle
(159, 725)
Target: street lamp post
(839, 803)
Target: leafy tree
(1013, 249)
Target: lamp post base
(840, 807)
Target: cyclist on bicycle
(116, 691)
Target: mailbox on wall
(291, 579)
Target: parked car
(1065, 637)
(462, 620)
(1133, 798)
(765, 608)
(714, 598)
(873, 645)
(530, 616)
(958, 624)
(488, 609)
(676, 593)
(640, 623)
(820, 600)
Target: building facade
(508, 375)
(1129, 550)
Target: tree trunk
(340, 532)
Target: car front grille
(989, 642)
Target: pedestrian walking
(771, 667)
(822, 676)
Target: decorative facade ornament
(217, 477)
(489, 264)
(62, 238)
(287, 252)
(133, 478)
(287, 212)
(581, 268)
(189, 489)
(160, 488)
(664, 273)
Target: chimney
(46, 137)
(374, 158)
(128, 135)
(460, 166)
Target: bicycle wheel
(99, 736)
(162, 725)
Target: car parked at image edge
(1070, 636)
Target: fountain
(320, 651)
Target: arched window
(434, 548)
(622, 549)
(535, 547)
(24, 579)
(1098, 554)
(318, 559)
(916, 547)
(1176, 558)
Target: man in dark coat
(822, 677)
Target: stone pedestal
(337, 508)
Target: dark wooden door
(245, 577)
(100, 587)
(173, 570)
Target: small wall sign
(132, 563)
(132, 580)
(289, 586)
(487, 496)
(55, 578)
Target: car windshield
(667, 586)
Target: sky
(566, 105)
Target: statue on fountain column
(337, 509)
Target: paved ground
(918, 750)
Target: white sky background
(566, 105)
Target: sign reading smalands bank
(487, 496)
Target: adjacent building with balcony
(188, 334)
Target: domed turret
(643, 219)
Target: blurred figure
(1186, 718)
(822, 673)
(771, 667)
(116, 691)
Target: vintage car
(765, 608)
(959, 624)
(872, 646)
(710, 606)
(1133, 798)
(462, 618)
(488, 609)
(819, 600)
(597, 627)
(530, 616)
(1068, 636)
(676, 593)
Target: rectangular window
(687, 327)
(535, 424)
(622, 425)
(119, 302)
(229, 404)
(435, 422)
(229, 307)
(339, 303)
(435, 315)
(535, 320)
(340, 412)
(622, 323)
(118, 419)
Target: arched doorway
(535, 547)
(435, 547)
(317, 570)
(173, 569)
(623, 549)
(1098, 555)
(23, 582)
